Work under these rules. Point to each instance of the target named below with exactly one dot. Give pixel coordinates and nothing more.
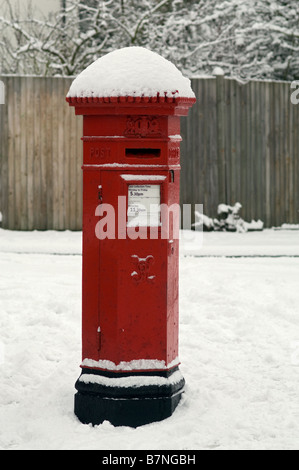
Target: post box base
(125, 399)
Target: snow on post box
(131, 101)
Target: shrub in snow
(228, 220)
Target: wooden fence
(41, 156)
(240, 144)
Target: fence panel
(41, 156)
(240, 144)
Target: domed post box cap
(131, 75)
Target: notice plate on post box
(144, 205)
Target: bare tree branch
(251, 38)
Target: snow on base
(288, 227)
(239, 348)
(131, 71)
(41, 242)
(254, 225)
(265, 243)
(133, 381)
(138, 364)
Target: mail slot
(143, 153)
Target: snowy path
(239, 348)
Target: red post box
(131, 101)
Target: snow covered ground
(239, 345)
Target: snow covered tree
(270, 39)
(70, 40)
(247, 38)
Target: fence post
(3, 154)
(221, 130)
(2, 93)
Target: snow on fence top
(131, 71)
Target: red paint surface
(135, 304)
